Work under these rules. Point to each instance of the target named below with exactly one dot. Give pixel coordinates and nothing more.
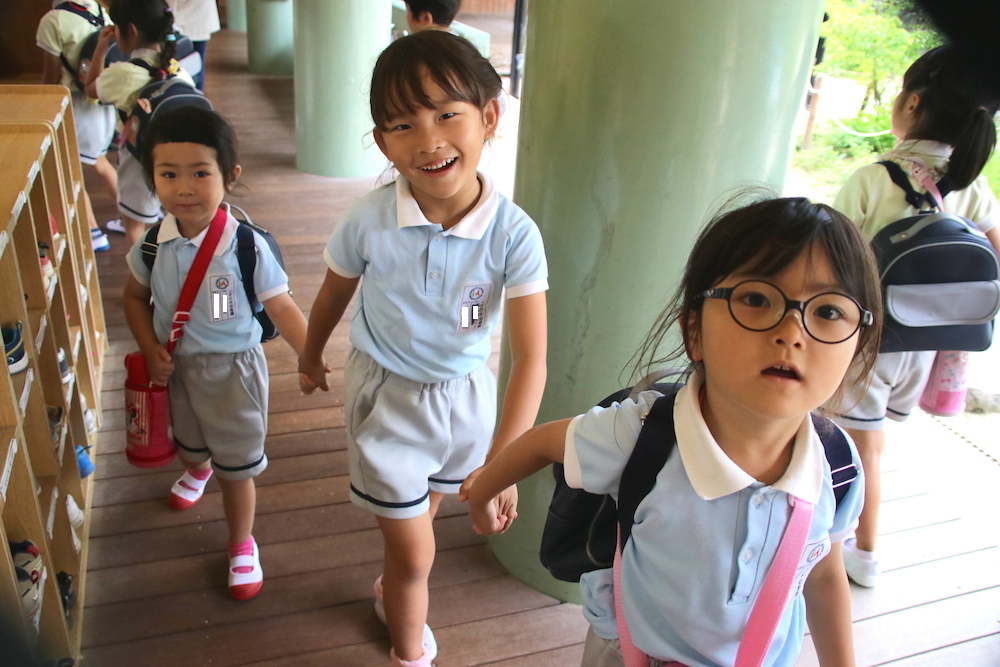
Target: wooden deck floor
(156, 589)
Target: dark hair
(955, 108)
(442, 11)
(154, 21)
(763, 237)
(449, 60)
(192, 125)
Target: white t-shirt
(197, 19)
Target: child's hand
(104, 39)
(494, 515)
(312, 375)
(159, 364)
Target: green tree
(868, 40)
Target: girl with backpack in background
(217, 375)
(437, 249)
(777, 300)
(144, 29)
(61, 34)
(943, 122)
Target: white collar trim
(714, 475)
(472, 226)
(925, 147)
(143, 53)
(170, 231)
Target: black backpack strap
(149, 246)
(246, 255)
(154, 71)
(916, 199)
(652, 449)
(95, 20)
(838, 455)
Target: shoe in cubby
(13, 347)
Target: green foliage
(868, 41)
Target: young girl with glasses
(778, 299)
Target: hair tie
(168, 10)
(171, 37)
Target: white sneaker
(99, 240)
(860, 569)
(115, 225)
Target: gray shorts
(218, 406)
(600, 652)
(135, 199)
(897, 383)
(408, 438)
(95, 127)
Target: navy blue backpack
(940, 277)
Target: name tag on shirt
(472, 309)
(222, 292)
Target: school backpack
(165, 92)
(246, 256)
(114, 54)
(940, 277)
(580, 533)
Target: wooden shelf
(42, 185)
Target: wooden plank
(569, 656)
(979, 652)
(142, 618)
(208, 570)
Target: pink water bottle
(944, 395)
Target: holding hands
(490, 515)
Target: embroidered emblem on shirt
(472, 309)
(223, 297)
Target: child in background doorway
(143, 29)
(61, 34)
(437, 249)
(217, 374)
(431, 14)
(707, 533)
(943, 121)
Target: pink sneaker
(430, 643)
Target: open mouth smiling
(439, 166)
(782, 371)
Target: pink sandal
(245, 585)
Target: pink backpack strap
(777, 585)
(767, 610)
(922, 175)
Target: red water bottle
(147, 413)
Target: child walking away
(61, 35)
(776, 301)
(144, 29)
(217, 375)
(943, 120)
(431, 14)
(437, 249)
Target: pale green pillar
(270, 36)
(638, 116)
(236, 15)
(336, 45)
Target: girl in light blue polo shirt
(778, 299)
(439, 250)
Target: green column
(336, 44)
(270, 36)
(638, 117)
(236, 15)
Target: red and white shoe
(245, 585)
(187, 491)
(430, 643)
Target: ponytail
(972, 149)
(168, 47)
(954, 109)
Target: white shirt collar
(143, 53)
(714, 475)
(169, 231)
(924, 147)
(472, 226)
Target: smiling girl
(438, 249)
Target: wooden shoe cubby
(42, 201)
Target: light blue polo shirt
(430, 298)
(705, 536)
(221, 320)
